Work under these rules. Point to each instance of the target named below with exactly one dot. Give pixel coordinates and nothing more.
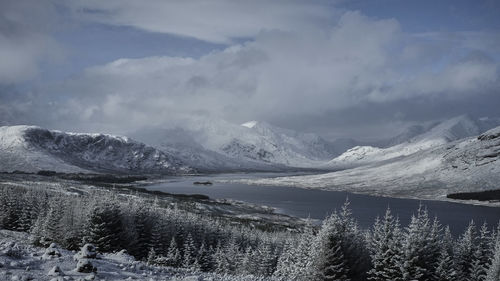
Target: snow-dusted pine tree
(104, 228)
(173, 254)
(189, 252)
(445, 270)
(465, 252)
(385, 247)
(286, 261)
(416, 248)
(143, 226)
(158, 237)
(493, 273)
(266, 259)
(328, 259)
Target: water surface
(317, 204)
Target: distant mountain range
(216, 146)
(414, 139)
(219, 145)
(441, 160)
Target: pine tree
(335, 267)
(267, 259)
(157, 238)
(173, 254)
(434, 246)
(203, 258)
(11, 210)
(478, 269)
(220, 260)
(37, 232)
(493, 273)
(385, 247)
(414, 248)
(227, 259)
(26, 218)
(286, 261)
(329, 261)
(152, 256)
(52, 224)
(445, 270)
(104, 227)
(465, 253)
(143, 227)
(303, 255)
(247, 266)
(447, 242)
(189, 252)
(483, 254)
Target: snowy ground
(22, 261)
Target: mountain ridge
(31, 148)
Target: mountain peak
(250, 124)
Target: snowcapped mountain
(263, 142)
(469, 164)
(182, 143)
(217, 144)
(30, 148)
(211, 145)
(415, 139)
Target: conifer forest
(338, 249)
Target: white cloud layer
(359, 60)
(299, 59)
(25, 39)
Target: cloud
(218, 21)
(298, 67)
(358, 61)
(25, 39)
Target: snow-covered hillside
(452, 129)
(415, 139)
(470, 164)
(30, 148)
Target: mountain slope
(183, 144)
(219, 145)
(420, 138)
(262, 142)
(30, 148)
(470, 164)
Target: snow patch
(249, 124)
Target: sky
(341, 68)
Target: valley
(256, 188)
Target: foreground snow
(22, 261)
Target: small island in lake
(202, 183)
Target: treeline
(161, 234)
(487, 195)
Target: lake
(317, 204)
